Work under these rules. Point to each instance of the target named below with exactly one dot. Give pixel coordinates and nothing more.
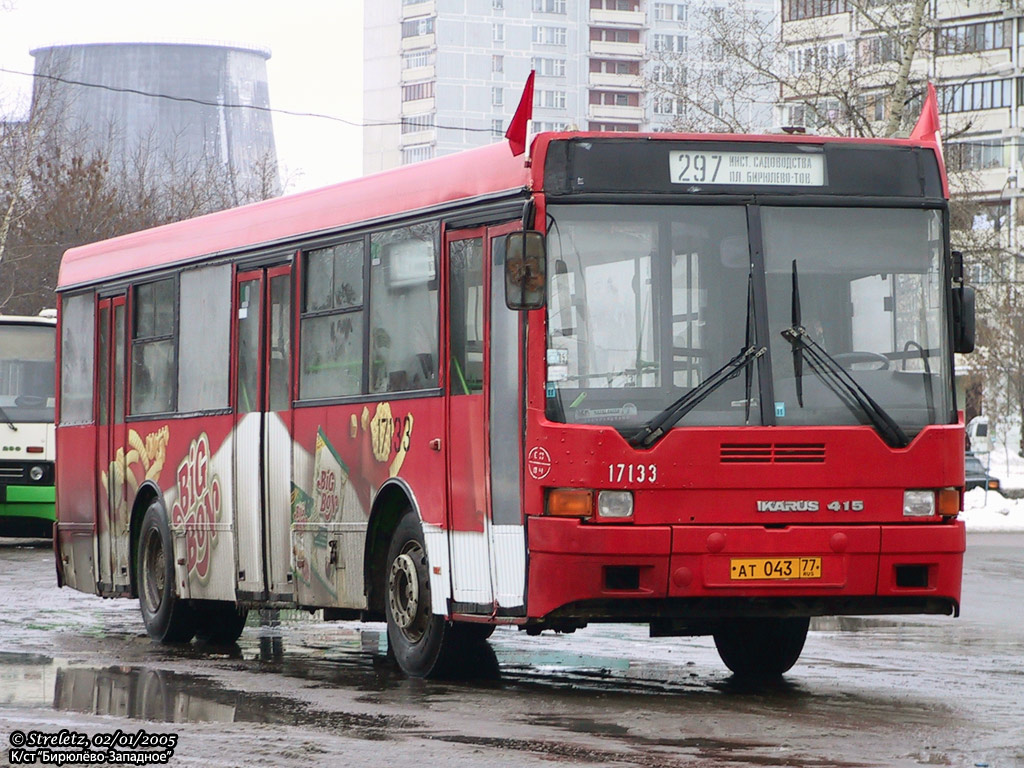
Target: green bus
(27, 352)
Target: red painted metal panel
(466, 453)
(568, 560)
(381, 439)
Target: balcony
(414, 10)
(617, 18)
(615, 81)
(418, 41)
(426, 136)
(415, 74)
(602, 48)
(417, 107)
(614, 113)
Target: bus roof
(472, 174)
(27, 320)
(466, 175)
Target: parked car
(975, 475)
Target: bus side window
(404, 308)
(466, 311)
(76, 363)
(154, 364)
(331, 337)
(204, 350)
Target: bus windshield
(27, 373)
(869, 287)
(646, 302)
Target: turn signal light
(570, 502)
(948, 502)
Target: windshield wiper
(658, 427)
(798, 350)
(846, 387)
(836, 377)
(9, 420)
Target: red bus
(702, 382)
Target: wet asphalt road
(296, 692)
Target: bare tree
(864, 80)
(58, 192)
(700, 84)
(21, 141)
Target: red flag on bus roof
(927, 128)
(516, 133)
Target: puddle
(153, 695)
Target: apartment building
(970, 49)
(445, 75)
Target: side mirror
(963, 319)
(963, 306)
(525, 270)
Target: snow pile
(990, 511)
(1006, 464)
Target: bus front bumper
(609, 572)
(27, 511)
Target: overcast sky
(315, 64)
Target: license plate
(760, 568)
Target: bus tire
(422, 642)
(762, 647)
(167, 617)
(219, 622)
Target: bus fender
(389, 504)
(144, 496)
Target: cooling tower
(196, 102)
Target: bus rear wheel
(423, 643)
(168, 618)
(763, 647)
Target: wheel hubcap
(407, 594)
(154, 573)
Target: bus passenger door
(112, 523)
(263, 432)
(468, 535)
(487, 543)
(505, 380)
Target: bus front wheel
(422, 642)
(168, 618)
(761, 647)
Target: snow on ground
(1004, 463)
(988, 511)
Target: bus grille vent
(773, 453)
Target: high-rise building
(841, 56)
(970, 50)
(445, 75)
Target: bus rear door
(113, 520)
(263, 444)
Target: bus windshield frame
(649, 301)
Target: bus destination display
(754, 168)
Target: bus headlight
(615, 504)
(918, 503)
(36, 473)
